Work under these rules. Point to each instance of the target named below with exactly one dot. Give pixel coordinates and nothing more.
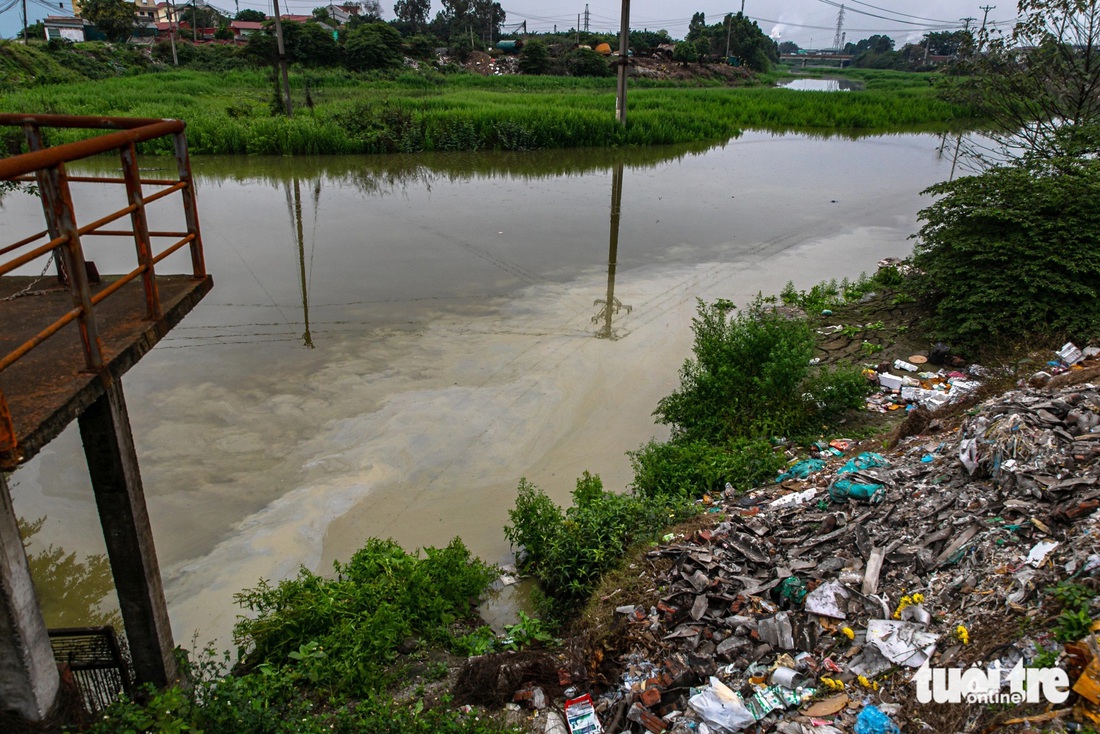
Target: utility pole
(624, 54)
(986, 8)
(24, 22)
(742, 11)
(172, 31)
(729, 30)
(966, 23)
(282, 59)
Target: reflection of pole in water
(612, 305)
(296, 215)
(955, 160)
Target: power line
(896, 12)
(870, 15)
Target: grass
(229, 112)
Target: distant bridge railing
(62, 237)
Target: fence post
(57, 204)
(140, 226)
(190, 206)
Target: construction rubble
(813, 604)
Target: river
(393, 342)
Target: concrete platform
(48, 388)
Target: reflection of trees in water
(387, 174)
(71, 591)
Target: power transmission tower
(839, 28)
(586, 17)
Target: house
(70, 29)
(145, 10)
(242, 29)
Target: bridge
(819, 59)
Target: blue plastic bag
(842, 489)
(801, 470)
(871, 720)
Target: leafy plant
(750, 379)
(342, 631)
(868, 348)
(526, 632)
(1011, 252)
(569, 551)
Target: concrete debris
(802, 608)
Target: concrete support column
(113, 467)
(29, 681)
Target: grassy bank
(351, 113)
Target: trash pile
(815, 602)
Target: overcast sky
(806, 22)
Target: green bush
(1012, 252)
(586, 62)
(534, 58)
(356, 620)
(277, 703)
(568, 552)
(693, 468)
(373, 46)
(751, 379)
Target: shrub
(693, 468)
(534, 58)
(379, 598)
(586, 62)
(1011, 252)
(751, 378)
(568, 552)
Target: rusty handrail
(46, 166)
(67, 152)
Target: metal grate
(95, 659)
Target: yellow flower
(866, 683)
(848, 632)
(963, 634)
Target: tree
(697, 27)
(1014, 252)
(321, 14)
(788, 47)
(309, 44)
(685, 53)
(877, 44)
(534, 58)
(114, 17)
(1040, 86)
(370, 11)
(373, 46)
(413, 12)
(251, 16)
(946, 43)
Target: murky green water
(393, 342)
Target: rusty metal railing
(62, 238)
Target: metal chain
(32, 284)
